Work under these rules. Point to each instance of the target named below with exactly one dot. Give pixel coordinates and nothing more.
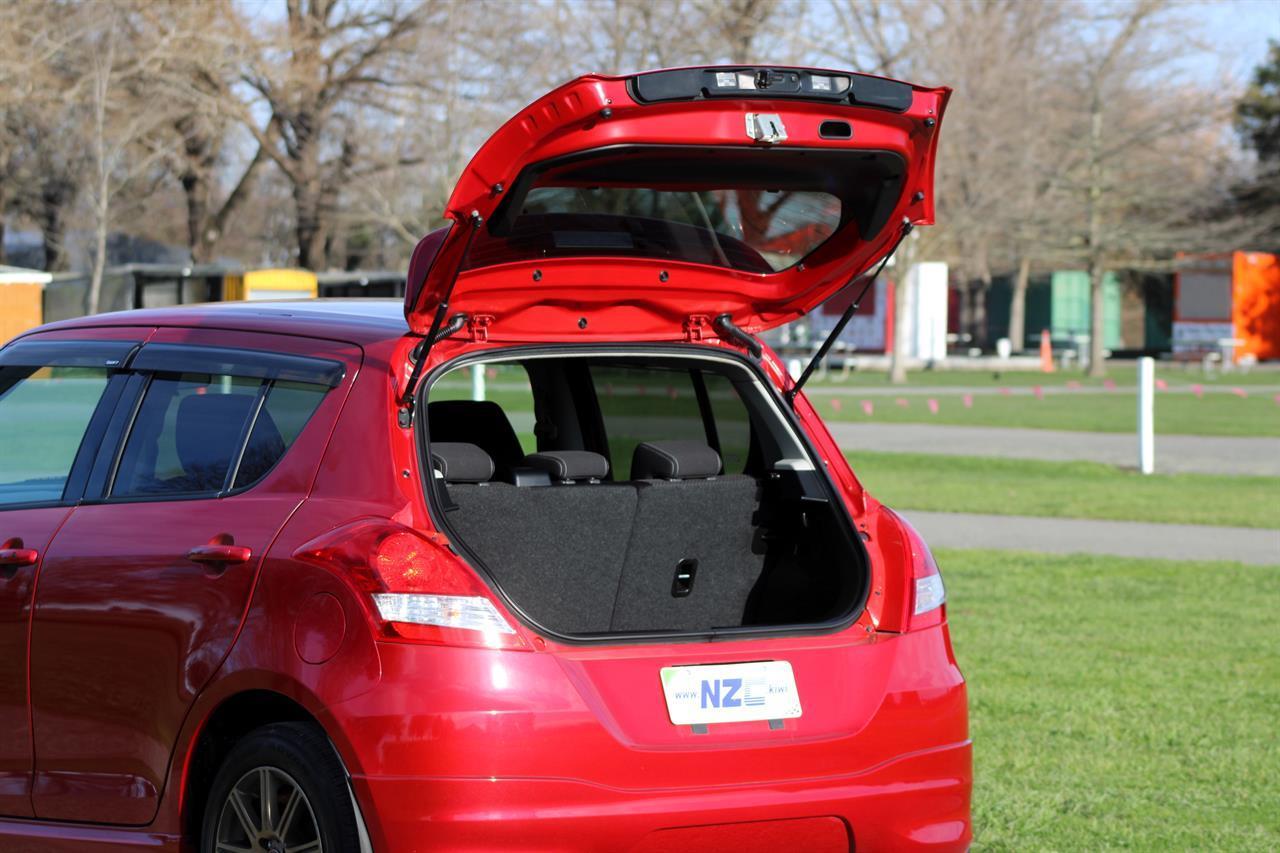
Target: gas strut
(845, 317)
(442, 310)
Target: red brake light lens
(928, 594)
(418, 589)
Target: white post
(477, 382)
(1146, 415)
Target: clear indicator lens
(471, 612)
(930, 593)
(726, 80)
(820, 84)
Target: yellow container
(271, 284)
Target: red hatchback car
(274, 578)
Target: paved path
(1174, 453)
(1088, 536)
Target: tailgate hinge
(478, 326)
(697, 328)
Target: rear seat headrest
(570, 465)
(674, 460)
(459, 462)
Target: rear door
(631, 208)
(55, 398)
(145, 587)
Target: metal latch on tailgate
(478, 327)
(766, 127)
(697, 327)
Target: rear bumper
(916, 802)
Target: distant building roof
(21, 275)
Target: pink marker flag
(1240, 392)
(836, 405)
(1109, 384)
(1006, 391)
(608, 389)
(868, 408)
(903, 402)
(1039, 392)
(492, 373)
(1198, 390)
(967, 399)
(933, 406)
(1278, 399)
(1161, 385)
(672, 392)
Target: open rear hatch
(627, 208)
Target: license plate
(730, 693)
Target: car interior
(649, 495)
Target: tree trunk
(1097, 265)
(980, 292)
(94, 297)
(196, 189)
(52, 232)
(1018, 305)
(1097, 320)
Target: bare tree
(322, 75)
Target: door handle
(219, 555)
(16, 558)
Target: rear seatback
(689, 519)
(557, 550)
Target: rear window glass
(43, 415)
(746, 229)
(747, 209)
(191, 428)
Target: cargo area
(630, 494)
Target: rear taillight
(928, 595)
(418, 589)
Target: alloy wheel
(266, 811)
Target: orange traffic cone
(1046, 352)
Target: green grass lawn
(1065, 490)
(1088, 411)
(1119, 703)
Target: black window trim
(234, 361)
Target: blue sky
(1240, 29)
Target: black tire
(277, 756)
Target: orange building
(1228, 301)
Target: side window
(505, 384)
(43, 415)
(640, 405)
(732, 420)
(202, 434)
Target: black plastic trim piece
(700, 84)
(227, 361)
(67, 353)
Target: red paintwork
(636, 304)
(134, 648)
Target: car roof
(360, 320)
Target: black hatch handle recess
(846, 316)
